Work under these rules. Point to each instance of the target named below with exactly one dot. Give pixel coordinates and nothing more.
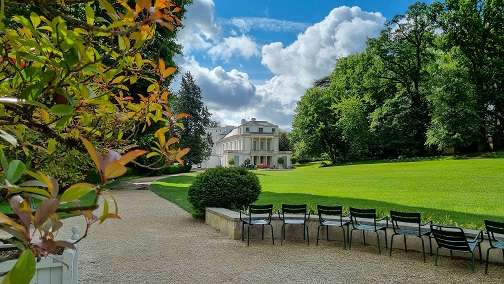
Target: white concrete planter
(56, 269)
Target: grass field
(458, 192)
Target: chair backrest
(294, 209)
(357, 214)
(492, 228)
(324, 211)
(260, 212)
(452, 238)
(405, 217)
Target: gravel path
(157, 242)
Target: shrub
(231, 188)
(280, 160)
(247, 164)
(68, 166)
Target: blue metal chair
(493, 228)
(257, 215)
(454, 239)
(296, 214)
(331, 216)
(365, 220)
(400, 219)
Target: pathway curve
(157, 242)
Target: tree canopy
(431, 82)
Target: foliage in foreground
(67, 71)
(232, 188)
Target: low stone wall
(228, 223)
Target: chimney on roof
(253, 119)
(243, 121)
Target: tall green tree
(455, 120)
(188, 100)
(315, 129)
(404, 48)
(284, 141)
(476, 27)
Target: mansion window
(260, 130)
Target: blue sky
(255, 58)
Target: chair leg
(378, 241)
(344, 237)
(481, 256)
(364, 236)
(437, 255)
(350, 239)
(423, 248)
(243, 231)
(318, 233)
(262, 233)
(391, 243)
(472, 261)
(282, 235)
(405, 244)
(386, 240)
(307, 235)
(272, 235)
(327, 233)
(451, 254)
(248, 235)
(430, 245)
(487, 259)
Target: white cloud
(231, 94)
(234, 46)
(199, 26)
(313, 55)
(246, 24)
(222, 90)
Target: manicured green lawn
(458, 192)
(175, 189)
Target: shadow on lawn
(467, 220)
(173, 181)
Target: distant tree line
(430, 83)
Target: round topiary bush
(231, 188)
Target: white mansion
(255, 140)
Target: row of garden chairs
(365, 220)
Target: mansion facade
(255, 140)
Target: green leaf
(90, 15)
(62, 110)
(105, 211)
(3, 160)
(51, 146)
(22, 272)
(35, 19)
(152, 87)
(15, 171)
(30, 190)
(9, 138)
(76, 191)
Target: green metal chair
(493, 228)
(454, 239)
(399, 221)
(365, 220)
(331, 216)
(257, 215)
(295, 214)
